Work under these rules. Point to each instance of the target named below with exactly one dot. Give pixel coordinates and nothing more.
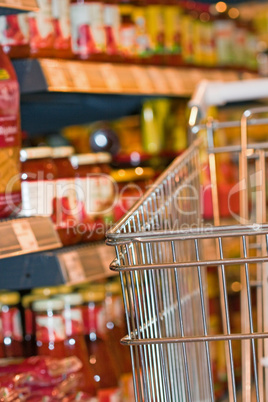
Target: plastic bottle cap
(72, 299)
(62, 152)
(113, 287)
(10, 298)
(84, 159)
(28, 299)
(93, 295)
(63, 289)
(104, 157)
(46, 291)
(48, 304)
(35, 153)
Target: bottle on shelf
(142, 38)
(10, 140)
(50, 330)
(65, 214)
(62, 29)
(115, 331)
(189, 17)
(11, 324)
(127, 37)
(75, 344)
(99, 356)
(29, 324)
(42, 30)
(111, 20)
(172, 24)
(14, 35)
(156, 31)
(87, 29)
(224, 30)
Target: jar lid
(46, 291)
(48, 304)
(35, 153)
(94, 296)
(28, 299)
(113, 288)
(104, 157)
(126, 175)
(72, 299)
(62, 152)
(10, 298)
(84, 159)
(64, 289)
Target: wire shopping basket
(163, 251)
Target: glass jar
(41, 30)
(87, 184)
(62, 29)
(11, 324)
(65, 215)
(38, 174)
(29, 324)
(14, 34)
(106, 185)
(75, 344)
(99, 356)
(131, 185)
(50, 330)
(87, 29)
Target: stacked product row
(79, 192)
(60, 323)
(142, 31)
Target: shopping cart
(163, 250)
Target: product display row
(154, 32)
(60, 322)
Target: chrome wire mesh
(163, 253)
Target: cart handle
(209, 93)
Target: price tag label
(127, 79)
(25, 235)
(143, 80)
(73, 266)
(159, 80)
(111, 79)
(79, 77)
(173, 79)
(56, 74)
(12, 3)
(107, 255)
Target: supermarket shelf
(26, 235)
(17, 6)
(62, 92)
(105, 78)
(67, 265)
